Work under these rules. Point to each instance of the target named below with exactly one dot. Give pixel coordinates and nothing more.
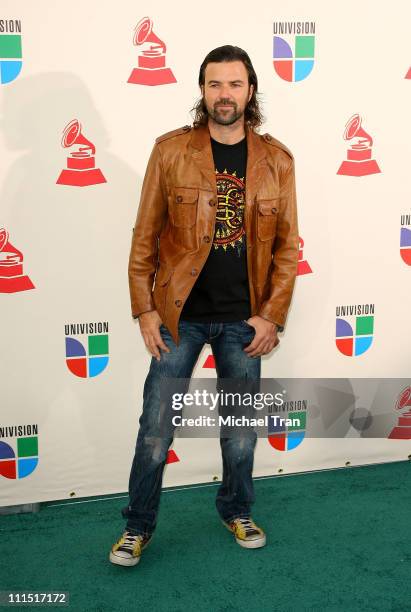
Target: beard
(225, 116)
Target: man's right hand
(150, 322)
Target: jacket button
(194, 271)
(212, 202)
(206, 239)
(179, 198)
(178, 303)
(273, 210)
(268, 137)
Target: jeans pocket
(244, 322)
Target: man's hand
(265, 338)
(150, 322)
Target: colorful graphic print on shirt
(229, 227)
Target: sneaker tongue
(248, 526)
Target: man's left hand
(265, 338)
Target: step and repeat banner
(85, 90)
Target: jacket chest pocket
(267, 215)
(183, 206)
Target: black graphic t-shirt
(221, 292)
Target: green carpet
(336, 540)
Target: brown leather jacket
(174, 229)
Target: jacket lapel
(203, 155)
(256, 165)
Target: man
(217, 228)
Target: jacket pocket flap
(185, 195)
(268, 207)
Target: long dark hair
(228, 53)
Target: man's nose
(225, 93)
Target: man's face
(226, 92)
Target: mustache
(225, 103)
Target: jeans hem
(139, 531)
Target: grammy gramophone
(402, 431)
(81, 170)
(12, 278)
(152, 60)
(358, 162)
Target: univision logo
(286, 428)
(87, 358)
(10, 50)
(405, 239)
(293, 56)
(354, 333)
(19, 459)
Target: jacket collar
(200, 140)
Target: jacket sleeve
(284, 263)
(151, 215)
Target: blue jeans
(236, 492)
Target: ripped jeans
(236, 491)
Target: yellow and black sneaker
(246, 532)
(127, 551)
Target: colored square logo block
(10, 46)
(304, 46)
(27, 447)
(276, 425)
(364, 326)
(98, 345)
(301, 416)
(278, 441)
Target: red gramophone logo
(402, 431)
(12, 278)
(408, 75)
(303, 265)
(81, 168)
(152, 58)
(359, 160)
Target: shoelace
(248, 524)
(130, 540)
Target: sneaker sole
(248, 543)
(126, 561)
(252, 543)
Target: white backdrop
(77, 58)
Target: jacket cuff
(266, 311)
(136, 312)
(270, 318)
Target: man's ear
(251, 92)
(202, 90)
